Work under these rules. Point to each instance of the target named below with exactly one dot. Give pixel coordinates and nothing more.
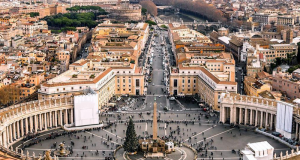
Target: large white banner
(288, 118)
(86, 110)
(284, 117)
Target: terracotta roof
(263, 75)
(235, 41)
(95, 80)
(81, 63)
(207, 73)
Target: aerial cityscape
(149, 79)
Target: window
(57, 89)
(64, 89)
(189, 81)
(137, 82)
(72, 88)
(123, 80)
(129, 80)
(118, 80)
(183, 81)
(175, 83)
(194, 81)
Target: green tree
(34, 14)
(265, 69)
(150, 22)
(298, 53)
(144, 11)
(131, 141)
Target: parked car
(172, 98)
(277, 134)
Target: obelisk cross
(154, 119)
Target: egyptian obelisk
(154, 120)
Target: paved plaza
(184, 122)
(189, 133)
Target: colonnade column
(55, 118)
(246, 116)
(14, 130)
(261, 118)
(60, 117)
(251, 117)
(271, 123)
(7, 134)
(22, 128)
(40, 119)
(72, 116)
(4, 139)
(10, 133)
(240, 118)
(31, 123)
(256, 119)
(18, 129)
(26, 125)
(45, 123)
(66, 116)
(50, 116)
(266, 120)
(35, 123)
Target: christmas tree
(131, 141)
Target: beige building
(106, 81)
(285, 83)
(254, 87)
(277, 50)
(199, 81)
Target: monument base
(154, 155)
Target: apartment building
(254, 87)
(106, 81)
(285, 20)
(285, 83)
(277, 50)
(109, 70)
(264, 18)
(184, 34)
(199, 81)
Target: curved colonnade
(253, 111)
(19, 121)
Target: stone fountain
(61, 151)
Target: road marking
(201, 132)
(146, 127)
(101, 137)
(83, 158)
(38, 149)
(124, 155)
(216, 135)
(183, 156)
(220, 158)
(165, 129)
(112, 133)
